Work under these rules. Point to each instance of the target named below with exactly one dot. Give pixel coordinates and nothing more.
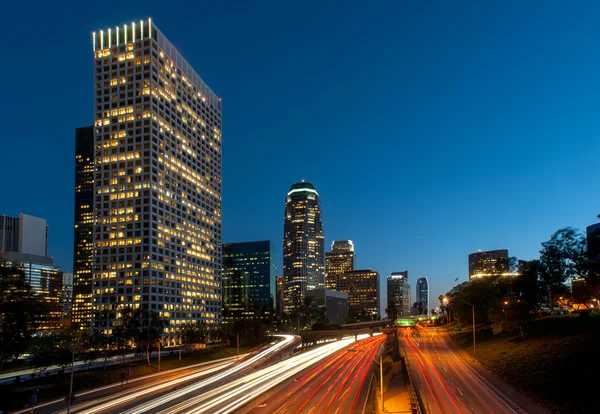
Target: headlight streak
(252, 385)
(176, 394)
(145, 407)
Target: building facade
(9, 233)
(45, 283)
(24, 234)
(423, 295)
(338, 261)
(398, 294)
(489, 263)
(593, 242)
(362, 287)
(249, 285)
(279, 290)
(157, 183)
(83, 253)
(303, 245)
(333, 302)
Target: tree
(19, 309)
(391, 310)
(562, 257)
(145, 329)
(511, 316)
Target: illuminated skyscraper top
(303, 244)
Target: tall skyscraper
(303, 244)
(593, 242)
(362, 287)
(83, 254)
(157, 183)
(249, 289)
(489, 263)
(398, 293)
(338, 261)
(423, 295)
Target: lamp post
(447, 301)
(72, 372)
(380, 372)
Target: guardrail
(416, 401)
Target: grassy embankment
(558, 363)
(50, 388)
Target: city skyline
(416, 203)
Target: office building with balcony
(157, 183)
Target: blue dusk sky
(431, 129)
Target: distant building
(338, 261)
(303, 244)
(459, 288)
(489, 263)
(66, 301)
(83, 253)
(334, 302)
(24, 234)
(593, 242)
(9, 234)
(45, 282)
(362, 287)
(248, 280)
(398, 293)
(279, 290)
(423, 295)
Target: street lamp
(447, 301)
(380, 373)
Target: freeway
(163, 379)
(232, 395)
(333, 386)
(447, 383)
(182, 385)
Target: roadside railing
(416, 401)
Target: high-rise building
(398, 294)
(24, 234)
(83, 254)
(66, 301)
(157, 183)
(334, 303)
(303, 244)
(9, 233)
(423, 295)
(338, 261)
(45, 283)
(593, 241)
(279, 290)
(248, 280)
(489, 263)
(362, 287)
(25, 247)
